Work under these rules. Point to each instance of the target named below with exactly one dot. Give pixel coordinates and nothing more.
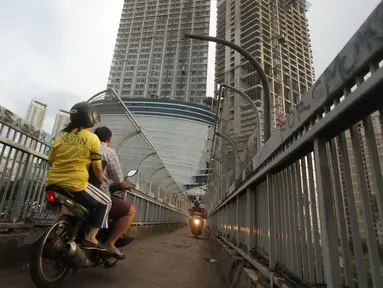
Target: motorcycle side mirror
(131, 173)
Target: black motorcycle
(57, 236)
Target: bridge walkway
(172, 259)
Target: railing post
(237, 219)
(270, 212)
(327, 216)
(147, 211)
(22, 189)
(250, 219)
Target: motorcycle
(196, 224)
(57, 236)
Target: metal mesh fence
(135, 150)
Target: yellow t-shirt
(72, 154)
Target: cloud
(19, 98)
(330, 30)
(56, 51)
(60, 51)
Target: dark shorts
(119, 209)
(98, 204)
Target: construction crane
(278, 40)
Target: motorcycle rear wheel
(36, 270)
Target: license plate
(44, 218)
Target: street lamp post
(258, 68)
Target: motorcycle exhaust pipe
(77, 255)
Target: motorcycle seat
(60, 189)
(67, 193)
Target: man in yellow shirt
(70, 157)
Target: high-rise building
(62, 119)
(151, 56)
(36, 113)
(275, 33)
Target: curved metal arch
(237, 157)
(255, 108)
(208, 198)
(171, 192)
(216, 199)
(226, 173)
(215, 174)
(175, 198)
(232, 144)
(167, 189)
(151, 177)
(124, 139)
(220, 162)
(139, 165)
(212, 186)
(219, 178)
(127, 111)
(162, 182)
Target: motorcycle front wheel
(46, 250)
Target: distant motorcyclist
(196, 208)
(196, 215)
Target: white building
(62, 119)
(36, 113)
(177, 130)
(151, 57)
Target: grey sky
(59, 51)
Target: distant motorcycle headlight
(196, 221)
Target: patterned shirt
(112, 172)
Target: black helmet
(196, 204)
(84, 115)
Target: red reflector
(50, 197)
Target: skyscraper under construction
(276, 33)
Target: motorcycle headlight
(196, 221)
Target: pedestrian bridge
(304, 209)
(174, 259)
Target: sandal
(92, 246)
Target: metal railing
(310, 207)
(23, 169)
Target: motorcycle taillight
(51, 197)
